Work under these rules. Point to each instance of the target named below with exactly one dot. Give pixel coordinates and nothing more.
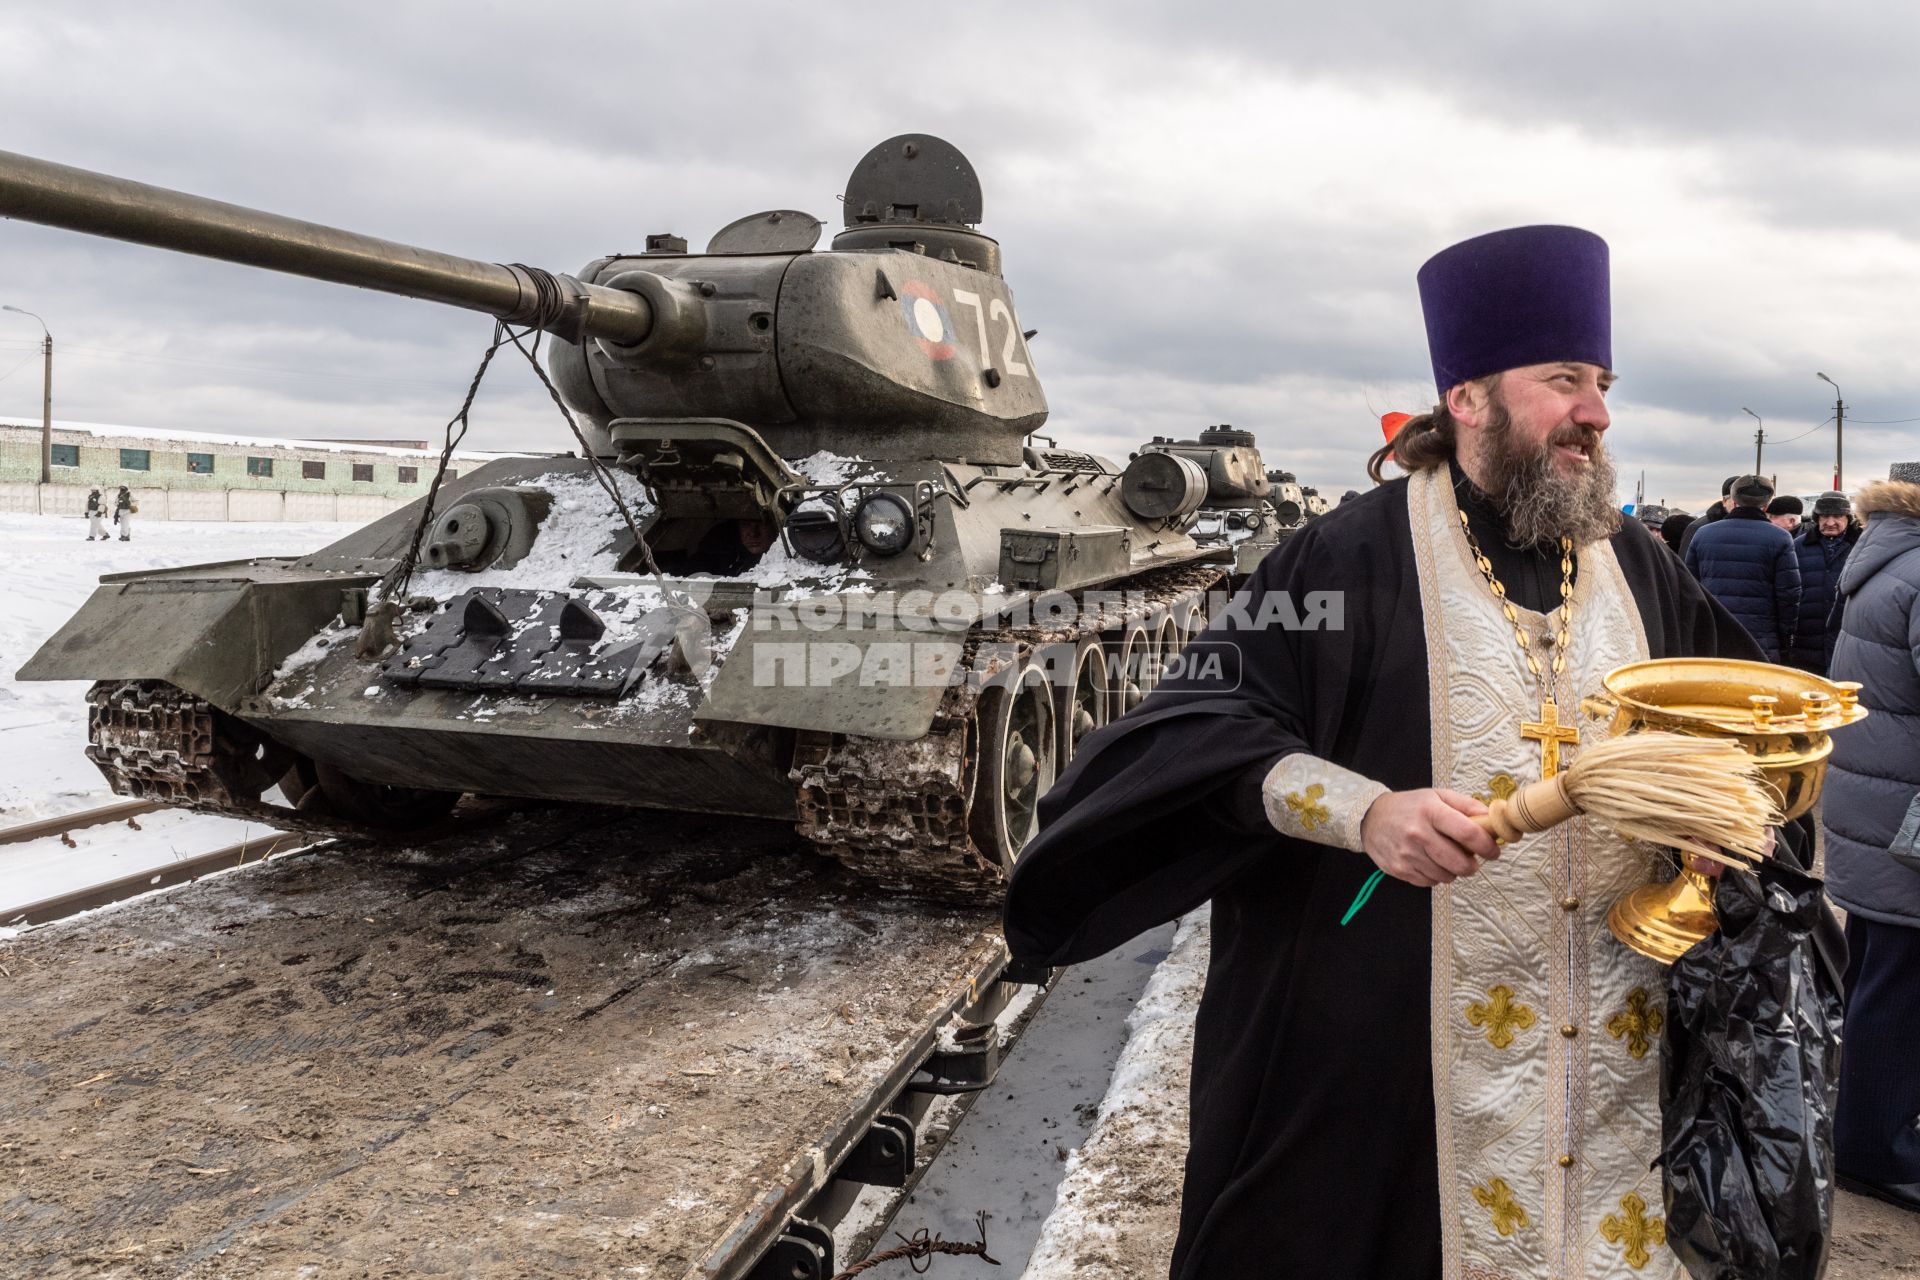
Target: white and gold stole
(1546, 1059)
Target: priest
(1461, 1080)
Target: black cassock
(1312, 1133)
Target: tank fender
(220, 640)
(810, 665)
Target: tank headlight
(815, 534)
(884, 524)
(1253, 522)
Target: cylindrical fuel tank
(1160, 486)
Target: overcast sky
(1213, 212)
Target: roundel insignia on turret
(927, 319)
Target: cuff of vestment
(1315, 799)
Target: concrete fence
(25, 498)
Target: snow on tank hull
(258, 656)
(854, 697)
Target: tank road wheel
(1190, 616)
(1201, 600)
(1184, 623)
(1127, 657)
(1018, 749)
(380, 806)
(1082, 699)
(1166, 643)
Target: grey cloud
(1635, 67)
(554, 135)
(1834, 184)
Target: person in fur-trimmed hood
(1871, 812)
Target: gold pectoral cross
(1549, 733)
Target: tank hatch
(915, 177)
(919, 193)
(775, 231)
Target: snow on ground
(1008, 1154)
(1119, 1202)
(47, 571)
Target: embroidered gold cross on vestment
(1549, 733)
(1308, 807)
(1633, 1230)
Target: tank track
(155, 741)
(896, 813)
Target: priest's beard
(1542, 503)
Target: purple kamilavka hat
(1527, 295)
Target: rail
(183, 871)
(62, 823)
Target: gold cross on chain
(1549, 733)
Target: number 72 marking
(1011, 363)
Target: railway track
(556, 1042)
(62, 823)
(473, 815)
(181, 871)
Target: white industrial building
(194, 475)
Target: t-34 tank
(838, 584)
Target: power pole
(1839, 427)
(46, 395)
(1759, 437)
(46, 414)
(1839, 424)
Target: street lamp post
(46, 397)
(1839, 424)
(1759, 436)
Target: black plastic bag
(1748, 1068)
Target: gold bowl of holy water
(1781, 716)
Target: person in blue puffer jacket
(1871, 816)
(1822, 545)
(1750, 566)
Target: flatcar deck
(588, 1044)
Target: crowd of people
(1836, 591)
(1772, 563)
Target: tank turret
(1289, 498)
(1226, 485)
(902, 343)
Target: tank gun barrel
(97, 204)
